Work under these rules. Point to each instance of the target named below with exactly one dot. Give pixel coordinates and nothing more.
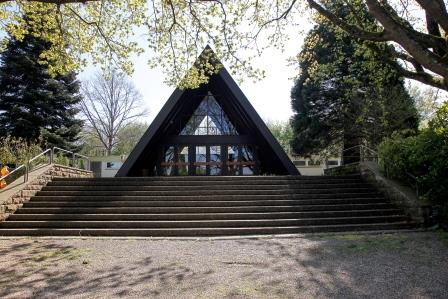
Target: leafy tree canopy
(129, 136)
(283, 132)
(105, 32)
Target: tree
(346, 94)
(128, 137)
(422, 53)
(282, 131)
(426, 101)
(110, 104)
(32, 101)
(178, 30)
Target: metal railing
(73, 156)
(28, 166)
(368, 154)
(414, 182)
(365, 154)
(14, 171)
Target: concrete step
(202, 223)
(217, 178)
(202, 216)
(200, 203)
(318, 183)
(204, 206)
(210, 231)
(231, 209)
(209, 188)
(206, 197)
(202, 192)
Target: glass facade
(194, 158)
(208, 119)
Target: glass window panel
(113, 165)
(215, 160)
(168, 162)
(209, 119)
(183, 160)
(201, 159)
(233, 167)
(247, 160)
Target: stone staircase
(204, 206)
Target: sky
(269, 96)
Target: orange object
(5, 171)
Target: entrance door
(208, 160)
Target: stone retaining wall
(402, 196)
(15, 201)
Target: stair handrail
(55, 148)
(14, 171)
(39, 155)
(27, 167)
(362, 157)
(52, 151)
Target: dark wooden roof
(237, 106)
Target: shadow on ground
(346, 266)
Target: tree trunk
(351, 151)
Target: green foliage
(346, 94)
(175, 33)
(33, 103)
(424, 156)
(61, 159)
(80, 164)
(426, 101)
(128, 136)
(110, 33)
(126, 139)
(283, 132)
(17, 150)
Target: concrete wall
(314, 165)
(105, 171)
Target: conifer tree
(34, 103)
(346, 94)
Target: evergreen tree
(32, 102)
(346, 94)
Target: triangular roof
(249, 120)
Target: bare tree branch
(109, 105)
(437, 9)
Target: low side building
(314, 165)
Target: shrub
(61, 159)
(17, 150)
(424, 155)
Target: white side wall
(107, 173)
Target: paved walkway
(406, 265)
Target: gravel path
(406, 265)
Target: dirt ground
(404, 265)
